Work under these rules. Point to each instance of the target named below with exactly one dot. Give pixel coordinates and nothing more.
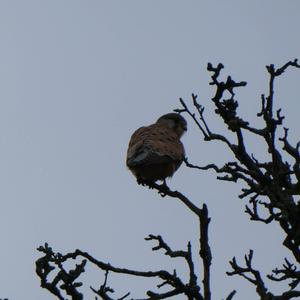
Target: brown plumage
(155, 152)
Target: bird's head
(174, 121)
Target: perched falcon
(155, 152)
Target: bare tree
(270, 188)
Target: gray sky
(76, 79)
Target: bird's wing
(155, 144)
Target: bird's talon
(162, 194)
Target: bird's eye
(182, 126)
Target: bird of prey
(155, 152)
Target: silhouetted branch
(190, 289)
(249, 273)
(288, 272)
(271, 185)
(230, 296)
(104, 290)
(205, 251)
(270, 179)
(254, 276)
(51, 261)
(187, 255)
(65, 279)
(164, 190)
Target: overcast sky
(76, 79)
